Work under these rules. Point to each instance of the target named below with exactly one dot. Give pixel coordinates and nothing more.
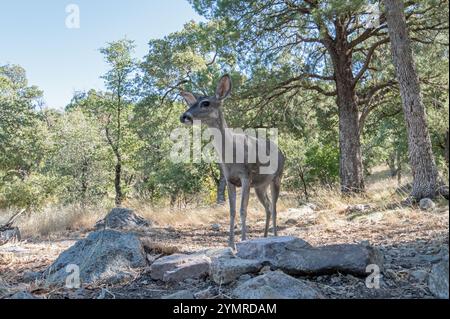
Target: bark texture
(350, 163)
(421, 159)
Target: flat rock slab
(225, 270)
(438, 279)
(265, 249)
(275, 285)
(295, 256)
(120, 218)
(104, 256)
(178, 267)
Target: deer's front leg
(244, 203)
(232, 201)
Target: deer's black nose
(186, 117)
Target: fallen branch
(9, 223)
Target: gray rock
(291, 221)
(225, 270)
(438, 280)
(119, 218)
(207, 293)
(215, 227)
(358, 208)
(275, 285)
(182, 294)
(23, 295)
(296, 213)
(295, 256)
(266, 249)
(218, 252)
(104, 256)
(245, 277)
(9, 235)
(419, 275)
(29, 276)
(426, 204)
(178, 267)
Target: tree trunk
(221, 186)
(421, 159)
(350, 162)
(351, 168)
(117, 182)
(446, 147)
(399, 168)
(391, 163)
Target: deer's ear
(189, 98)
(224, 87)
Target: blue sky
(60, 60)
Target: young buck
(246, 166)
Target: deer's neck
(225, 140)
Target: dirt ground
(411, 241)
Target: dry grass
(152, 247)
(384, 224)
(381, 195)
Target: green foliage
(80, 157)
(279, 80)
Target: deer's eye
(205, 104)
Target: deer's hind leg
(261, 193)
(275, 192)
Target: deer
(246, 174)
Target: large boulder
(178, 267)
(275, 285)
(438, 279)
(104, 256)
(120, 218)
(295, 256)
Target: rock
(23, 295)
(275, 285)
(295, 256)
(296, 213)
(359, 208)
(426, 204)
(265, 269)
(266, 249)
(207, 293)
(80, 293)
(104, 256)
(245, 277)
(9, 235)
(178, 267)
(183, 294)
(151, 258)
(215, 227)
(312, 206)
(438, 280)
(227, 269)
(218, 252)
(418, 275)
(119, 218)
(29, 276)
(291, 221)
